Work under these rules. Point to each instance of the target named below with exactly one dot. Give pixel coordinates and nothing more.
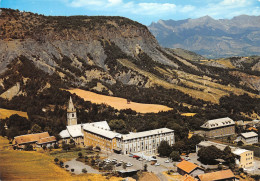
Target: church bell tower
(71, 114)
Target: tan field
(6, 113)
(118, 103)
(188, 114)
(31, 165)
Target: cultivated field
(31, 165)
(6, 113)
(118, 103)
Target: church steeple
(71, 114)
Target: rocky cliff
(112, 55)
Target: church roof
(75, 130)
(64, 134)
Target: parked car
(167, 161)
(118, 165)
(129, 164)
(157, 164)
(131, 155)
(154, 157)
(135, 156)
(121, 161)
(152, 163)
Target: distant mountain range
(239, 36)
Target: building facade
(248, 138)
(218, 127)
(146, 141)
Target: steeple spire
(71, 107)
(71, 114)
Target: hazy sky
(143, 11)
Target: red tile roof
(219, 175)
(187, 177)
(187, 166)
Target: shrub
(84, 170)
(80, 155)
(56, 160)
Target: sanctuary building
(99, 134)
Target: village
(215, 152)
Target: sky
(143, 11)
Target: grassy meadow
(118, 103)
(6, 113)
(31, 165)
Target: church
(99, 134)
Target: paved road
(78, 166)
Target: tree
(56, 160)
(97, 156)
(44, 147)
(240, 143)
(86, 158)
(124, 166)
(145, 167)
(207, 155)
(61, 163)
(66, 166)
(118, 125)
(84, 170)
(11, 133)
(228, 156)
(80, 155)
(164, 148)
(36, 129)
(175, 156)
(50, 148)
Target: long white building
(146, 141)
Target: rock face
(211, 38)
(111, 55)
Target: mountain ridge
(239, 36)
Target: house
(218, 127)
(222, 175)
(185, 167)
(248, 138)
(244, 158)
(36, 140)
